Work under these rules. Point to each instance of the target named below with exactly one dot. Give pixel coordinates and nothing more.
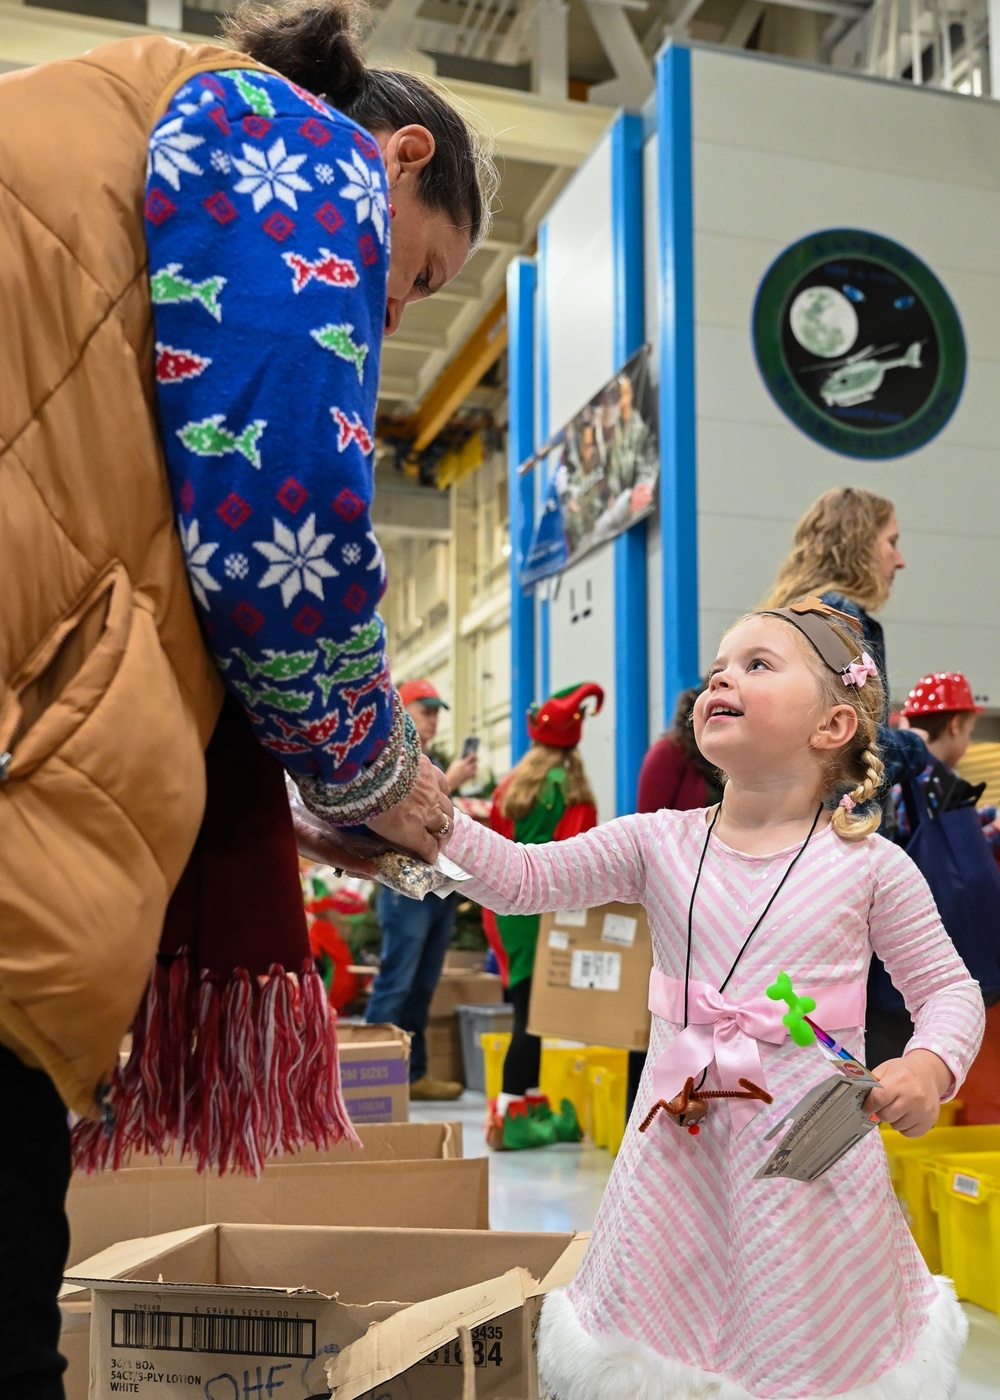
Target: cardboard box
(435, 1189)
(231, 1310)
(591, 978)
(443, 1039)
(153, 1200)
(391, 1142)
(465, 989)
(464, 960)
(374, 1072)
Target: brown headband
(813, 619)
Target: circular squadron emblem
(859, 343)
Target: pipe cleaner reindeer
(689, 1108)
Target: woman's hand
(910, 1092)
(423, 821)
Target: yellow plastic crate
(911, 1182)
(565, 1071)
(965, 1192)
(605, 1116)
(494, 1053)
(949, 1112)
(564, 1068)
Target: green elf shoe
(565, 1122)
(520, 1128)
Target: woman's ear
(837, 729)
(407, 151)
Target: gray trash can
(473, 1022)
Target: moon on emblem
(824, 322)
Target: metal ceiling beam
(398, 387)
(743, 24)
(470, 292)
(417, 340)
(505, 233)
(633, 80)
(390, 41)
(687, 13)
(825, 7)
(535, 129)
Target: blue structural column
(521, 284)
(631, 681)
(678, 446)
(541, 473)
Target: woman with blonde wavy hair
(845, 550)
(546, 797)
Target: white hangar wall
(779, 152)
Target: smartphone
(470, 746)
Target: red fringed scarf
(234, 1058)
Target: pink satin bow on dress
(727, 1032)
(859, 671)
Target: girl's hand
(910, 1092)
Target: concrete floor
(560, 1188)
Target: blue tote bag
(949, 850)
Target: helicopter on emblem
(858, 378)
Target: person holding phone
(416, 934)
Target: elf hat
(559, 722)
(944, 692)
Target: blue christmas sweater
(267, 228)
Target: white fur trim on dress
(575, 1366)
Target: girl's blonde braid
(849, 823)
(874, 773)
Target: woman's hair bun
(314, 43)
(317, 45)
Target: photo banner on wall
(600, 473)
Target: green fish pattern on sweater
(211, 438)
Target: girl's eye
(757, 661)
(423, 282)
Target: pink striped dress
(700, 1281)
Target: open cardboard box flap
(133, 1259)
(401, 1341)
(391, 1347)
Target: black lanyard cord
(694, 891)
(697, 881)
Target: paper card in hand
(828, 1122)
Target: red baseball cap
(944, 692)
(423, 693)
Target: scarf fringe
(227, 1075)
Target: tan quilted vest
(108, 695)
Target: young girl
(545, 798)
(700, 1281)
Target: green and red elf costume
(522, 1117)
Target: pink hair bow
(859, 671)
